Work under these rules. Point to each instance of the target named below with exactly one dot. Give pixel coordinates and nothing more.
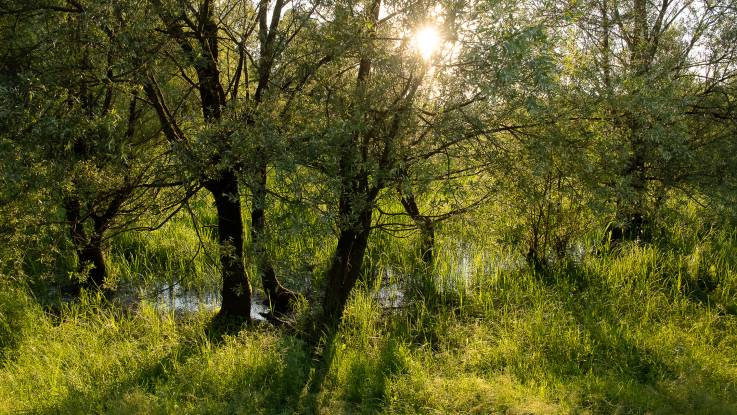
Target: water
(180, 300)
(464, 268)
(390, 296)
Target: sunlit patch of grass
(98, 360)
(84, 359)
(467, 394)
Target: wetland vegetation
(326, 207)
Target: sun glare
(426, 41)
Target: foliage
(535, 216)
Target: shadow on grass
(361, 373)
(253, 371)
(627, 369)
(322, 356)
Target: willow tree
(69, 88)
(650, 73)
(376, 114)
(488, 79)
(535, 157)
(366, 93)
(228, 53)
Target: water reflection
(461, 266)
(390, 296)
(181, 300)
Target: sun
(426, 41)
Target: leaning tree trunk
(346, 266)
(236, 290)
(356, 206)
(427, 245)
(426, 226)
(279, 298)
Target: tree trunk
(356, 207)
(346, 267)
(427, 245)
(426, 226)
(637, 220)
(90, 256)
(236, 290)
(92, 260)
(279, 298)
(631, 220)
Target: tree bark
(636, 168)
(631, 218)
(89, 250)
(279, 298)
(223, 183)
(93, 254)
(356, 205)
(426, 226)
(236, 290)
(346, 267)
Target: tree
(68, 84)
(233, 91)
(381, 114)
(648, 76)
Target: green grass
(642, 329)
(177, 252)
(93, 359)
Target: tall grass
(644, 328)
(177, 253)
(95, 359)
